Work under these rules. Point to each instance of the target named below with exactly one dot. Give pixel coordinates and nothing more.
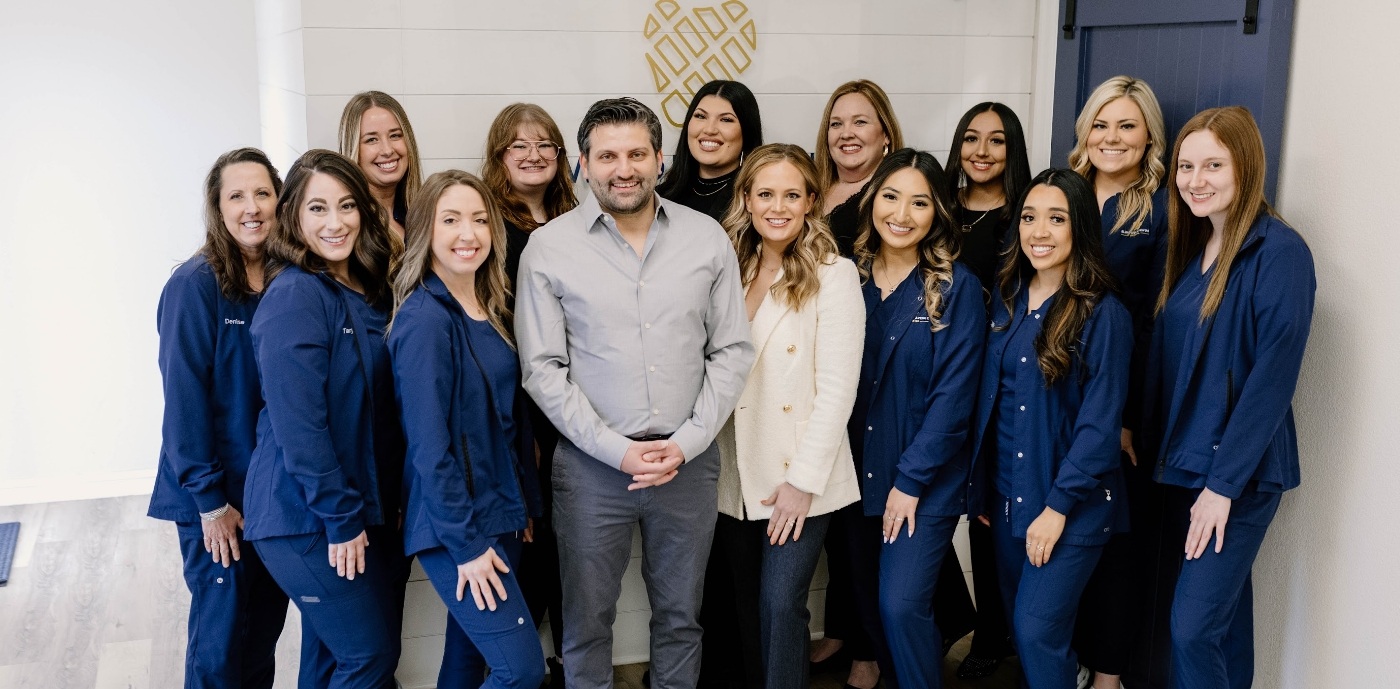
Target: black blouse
(709, 196)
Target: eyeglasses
(520, 150)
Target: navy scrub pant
(317, 661)
(909, 574)
(504, 641)
(1212, 616)
(236, 614)
(1042, 602)
(356, 622)
(594, 515)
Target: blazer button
(792, 348)
(787, 407)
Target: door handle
(1251, 17)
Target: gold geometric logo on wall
(691, 48)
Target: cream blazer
(790, 422)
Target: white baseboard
(85, 487)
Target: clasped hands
(652, 462)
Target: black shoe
(646, 678)
(556, 673)
(977, 667)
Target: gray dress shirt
(614, 346)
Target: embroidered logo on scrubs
(310, 599)
(233, 321)
(920, 319)
(348, 331)
(689, 48)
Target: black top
(709, 196)
(515, 246)
(546, 437)
(845, 222)
(983, 236)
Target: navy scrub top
(1018, 359)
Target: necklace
(886, 275)
(715, 186)
(968, 227)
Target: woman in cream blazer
(786, 461)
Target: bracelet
(215, 514)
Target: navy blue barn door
(1195, 54)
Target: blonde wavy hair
(1135, 205)
(814, 245)
(492, 292)
(937, 250)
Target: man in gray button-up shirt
(633, 340)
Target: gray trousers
(594, 514)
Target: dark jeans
(773, 581)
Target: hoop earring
(741, 158)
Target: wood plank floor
(97, 600)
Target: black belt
(650, 437)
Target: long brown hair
(1135, 204)
(1087, 278)
(814, 245)
(220, 250)
(1187, 234)
(883, 111)
(490, 285)
(350, 119)
(376, 247)
(559, 197)
(937, 250)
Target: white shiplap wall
(455, 64)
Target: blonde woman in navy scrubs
(1049, 415)
(1120, 144)
(925, 328)
(323, 504)
(1232, 324)
(212, 401)
(471, 469)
